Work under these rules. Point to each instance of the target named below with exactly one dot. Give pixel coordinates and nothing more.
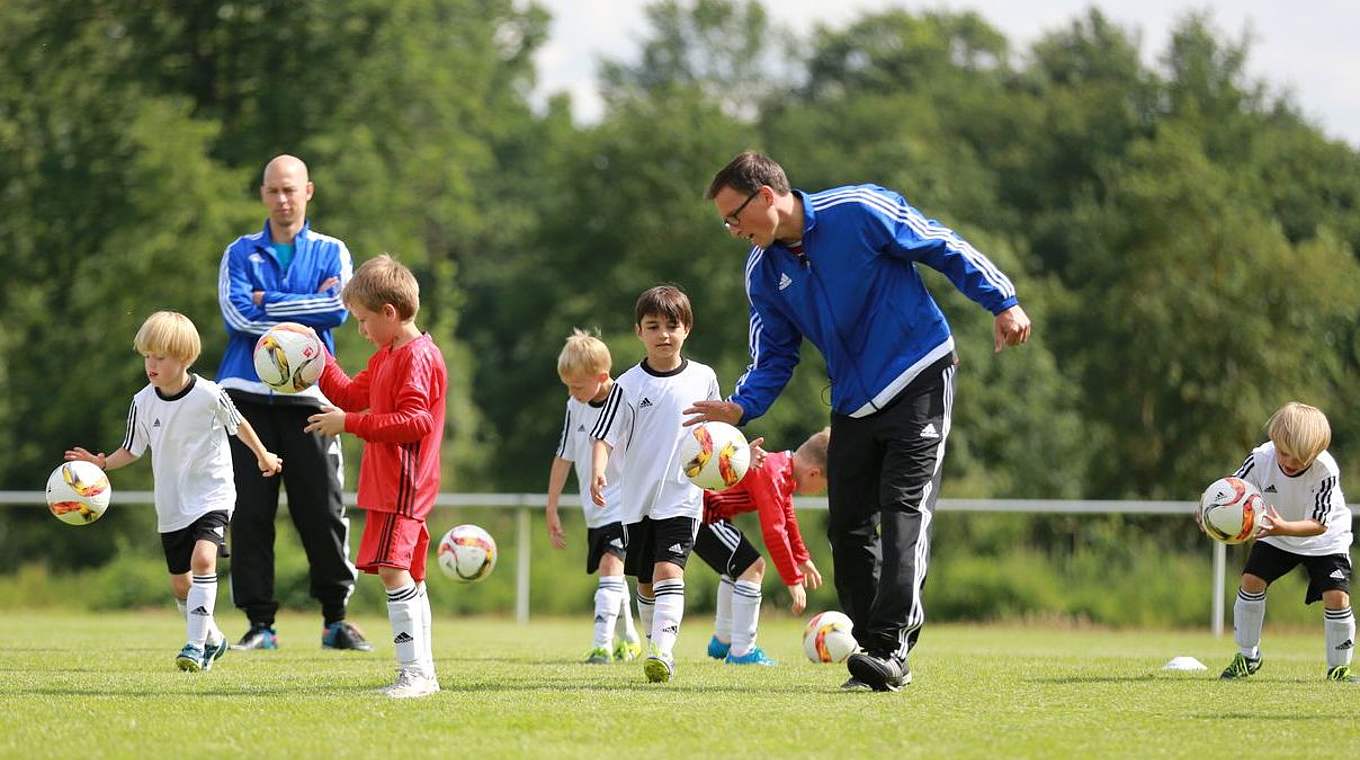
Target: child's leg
(722, 619)
(1249, 612)
(668, 584)
(646, 606)
(427, 625)
(608, 595)
(201, 597)
(404, 612)
(1339, 626)
(630, 633)
(746, 608)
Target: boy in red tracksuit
(767, 490)
(396, 405)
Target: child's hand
(811, 576)
(799, 599)
(757, 454)
(597, 485)
(270, 464)
(1271, 523)
(328, 421)
(78, 453)
(559, 539)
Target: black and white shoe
(880, 673)
(854, 684)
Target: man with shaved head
(286, 272)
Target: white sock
(670, 610)
(630, 633)
(1249, 612)
(201, 602)
(745, 616)
(427, 640)
(403, 611)
(646, 606)
(607, 595)
(722, 621)
(1339, 626)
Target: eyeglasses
(732, 220)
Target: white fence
(526, 503)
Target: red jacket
(396, 405)
(767, 490)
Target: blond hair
(1300, 431)
(814, 448)
(383, 280)
(169, 333)
(583, 354)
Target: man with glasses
(839, 268)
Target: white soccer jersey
(190, 456)
(643, 418)
(577, 446)
(1314, 494)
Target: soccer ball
(828, 637)
(467, 553)
(289, 358)
(714, 455)
(1230, 510)
(78, 492)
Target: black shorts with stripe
(724, 548)
(651, 541)
(606, 539)
(1326, 572)
(179, 544)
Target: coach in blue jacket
(838, 267)
(286, 272)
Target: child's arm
(120, 458)
(812, 577)
(774, 508)
(350, 394)
(410, 422)
(599, 460)
(268, 462)
(1274, 525)
(557, 478)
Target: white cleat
(411, 683)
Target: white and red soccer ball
(78, 492)
(466, 553)
(1231, 510)
(289, 357)
(714, 455)
(829, 637)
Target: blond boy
(1307, 522)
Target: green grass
(105, 686)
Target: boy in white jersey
(185, 420)
(584, 367)
(1307, 522)
(642, 419)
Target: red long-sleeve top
(396, 405)
(767, 490)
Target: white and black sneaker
(880, 673)
(411, 682)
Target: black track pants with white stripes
(884, 472)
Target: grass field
(105, 686)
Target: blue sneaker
(718, 649)
(754, 657)
(258, 637)
(213, 652)
(343, 634)
(190, 659)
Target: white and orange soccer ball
(1231, 510)
(714, 455)
(467, 553)
(78, 492)
(289, 357)
(829, 637)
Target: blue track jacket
(858, 297)
(248, 265)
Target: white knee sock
(630, 633)
(1339, 626)
(607, 596)
(745, 616)
(403, 612)
(670, 610)
(722, 621)
(646, 606)
(426, 640)
(201, 602)
(1249, 612)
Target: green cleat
(1240, 667)
(1342, 674)
(659, 668)
(598, 656)
(627, 651)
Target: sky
(1310, 53)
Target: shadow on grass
(1092, 679)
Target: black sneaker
(343, 634)
(258, 637)
(854, 684)
(880, 673)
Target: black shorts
(179, 544)
(652, 541)
(1325, 572)
(606, 539)
(722, 545)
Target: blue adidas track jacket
(248, 265)
(858, 297)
